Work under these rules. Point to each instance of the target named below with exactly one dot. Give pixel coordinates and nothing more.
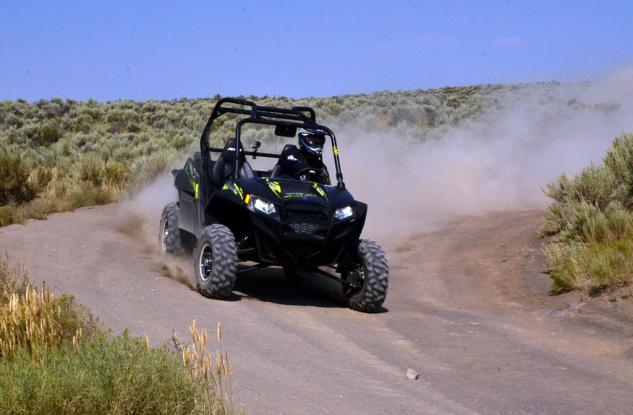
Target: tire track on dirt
(467, 309)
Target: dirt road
(467, 309)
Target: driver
(305, 162)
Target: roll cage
(295, 117)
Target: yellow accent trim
(275, 187)
(320, 191)
(336, 151)
(238, 191)
(247, 199)
(195, 190)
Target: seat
(224, 166)
(277, 171)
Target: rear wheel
(169, 232)
(215, 262)
(370, 278)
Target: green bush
(14, 186)
(591, 218)
(48, 135)
(7, 215)
(91, 170)
(55, 360)
(106, 375)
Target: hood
(296, 191)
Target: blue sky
(110, 50)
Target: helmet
(311, 140)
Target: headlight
(263, 206)
(343, 213)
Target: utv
(227, 213)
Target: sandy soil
(467, 308)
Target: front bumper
(305, 235)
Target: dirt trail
(467, 309)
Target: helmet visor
(315, 140)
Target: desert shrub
(89, 197)
(84, 123)
(35, 209)
(147, 168)
(14, 186)
(55, 359)
(591, 266)
(136, 141)
(11, 120)
(116, 173)
(91, 169)
(123, 116)
(7, 215)
(39, 178)
(47, 135)
(105, 375)
(592, 221)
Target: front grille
(308, 222)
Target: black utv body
(227, 213)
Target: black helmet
(311, 140)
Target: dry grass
(55, 359)
(212, 371)
(13, 279)
(35, 321)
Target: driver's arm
(324, 176)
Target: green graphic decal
(274, 186)
(320, 191)
(193, 177)
(235, 188)
(297, 195)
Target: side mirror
(255, 146)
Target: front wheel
(371, 276)
(215, 262)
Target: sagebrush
(591, 218)
(60, 154)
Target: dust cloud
(414, 183)
(500, 161)
(139, 216)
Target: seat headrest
(228, 154)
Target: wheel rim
(205, 262)
(163, 235)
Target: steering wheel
(312, 172)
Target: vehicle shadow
(270, 285)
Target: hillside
(58, 155)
